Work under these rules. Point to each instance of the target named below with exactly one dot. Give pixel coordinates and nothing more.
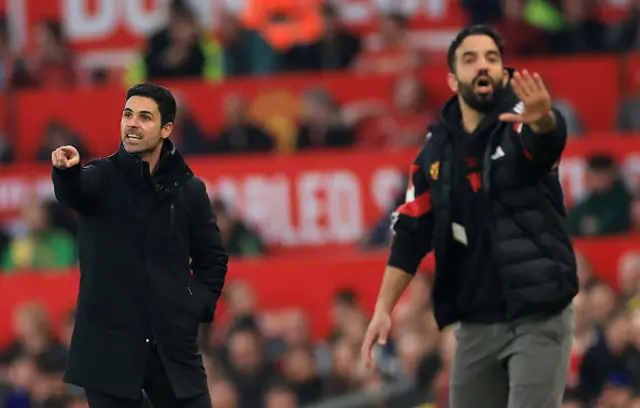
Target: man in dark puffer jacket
(485, 195)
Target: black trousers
(157, 388)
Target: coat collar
(172, 170)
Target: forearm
(545, 139)
(68, 188)
(394, 282)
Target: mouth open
(484, 85)
(132, 137)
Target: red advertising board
(275, 102)
(323, 198)
(311, 281)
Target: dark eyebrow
(494, 53)
(468, 54)
(148, 112)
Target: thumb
(511, 117)
(383, 334)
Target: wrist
(382, 308)
(545, 124)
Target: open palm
(533, 94)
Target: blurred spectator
(6, 151)
(570, 114)
(246, 366)
(586, 277)
(22, 380)
(322, 125)
(580, 30)
(634, 213)
(336, 49)
(629, 279)
(612, 362)
(7, 56)
(605, 210)
(57, 134)
(343, 377)
(223, 395)
(403, 122)
(41, 246)
(245, 51)
(300, 371)
(34, 340)
(179, 50)
(238, 239)
(240, 133)
(345, 307)
(584, 336)
(52, 66)
(602, 302)
(187, 134)
(628, 119)
(291, 330)
(395, 53)
(280, 396)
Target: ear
(452, 81)
(166, 130)
(505, 77)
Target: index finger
(367, 347)
(537, 79)
(67, 149)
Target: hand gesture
(377, 332)
(65, 157)
(534, 95)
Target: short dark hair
(478, 29)
(162, 96)
(601, 162)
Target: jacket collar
(172, 170)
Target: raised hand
(65, 157)
(534, 95)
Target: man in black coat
(485, 194)
(151, 261)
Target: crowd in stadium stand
(267, 358)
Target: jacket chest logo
(435, 170)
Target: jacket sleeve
(79, 188)
(208, 256)
(413, 222)
(545, 149)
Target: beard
(483, 103)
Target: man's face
(141, 126)
(479, 73)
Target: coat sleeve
(413, 222)
(545, 149)
(208, 256)
(79, 188)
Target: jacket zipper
(172, 212)
(172, 215)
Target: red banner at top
(122, 25)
